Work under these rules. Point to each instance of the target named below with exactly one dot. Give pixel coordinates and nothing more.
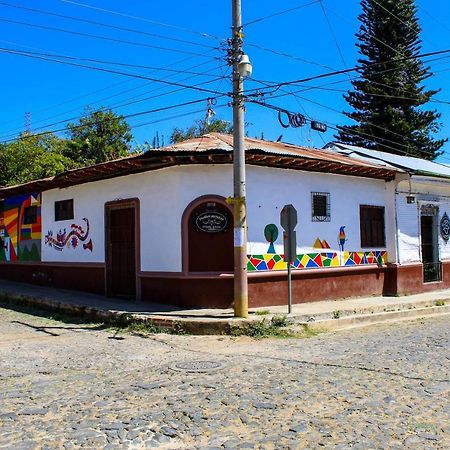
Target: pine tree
(388, 98)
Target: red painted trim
(53, 264)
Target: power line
(96, 36)
(174, 117)
(368, 33)
(355, 132)
(101, 69)
(101, 24)
(279, 13)
(217, 95)
(126, 91)
(127, 116)
(277, 86)
(340, 112)
(115, 63)
(398, 18)
(287, 55)
(143, 19)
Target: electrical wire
(127, 116)
(277, 86)
(101, 24)
(398, 18)
(101, 69)
(358, 133)
(113, 63)
(279, 13)
(217, 95)
(103, 38)
(143, 19)
(124, 92)
(295, 94)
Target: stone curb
(349, 318)
(374, 318)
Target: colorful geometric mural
(70, 239)
(314, 260)
(18, 240)
(318, 243)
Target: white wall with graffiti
(165, 194)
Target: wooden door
(121, 263)
(210, 238)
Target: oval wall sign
(211, 222)
(445, 227)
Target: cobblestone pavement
(78, 386)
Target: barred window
(320, 205)
(64, 210)
(371, 220)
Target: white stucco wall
(164, 195)
(434, 191)
(268, 190)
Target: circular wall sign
(445, 227)
(211, 221)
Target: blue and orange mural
(71, 239)
(20, 241)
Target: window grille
(320, 206)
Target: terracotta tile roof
(213, 148)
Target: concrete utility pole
(239, 202)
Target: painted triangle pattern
(267, 262)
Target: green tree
(388, 100)
(200, 128)
(98, 137)
(32, 157)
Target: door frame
(185, 227)
(123, 204)
(431, 210)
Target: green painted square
(276, 258)
(326, 262)
(250, 267)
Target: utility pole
(239, 201)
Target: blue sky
(186, 34)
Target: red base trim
(216, 291)
(77, 277)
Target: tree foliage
(199, 128)
(98, 137)
(388, 100)
(32, 157)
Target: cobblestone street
(72, 386)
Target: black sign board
(211, 222)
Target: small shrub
(262, 312)
(337, 314)
(440, 303)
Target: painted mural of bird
(341, 238)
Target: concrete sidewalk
(328, 315)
